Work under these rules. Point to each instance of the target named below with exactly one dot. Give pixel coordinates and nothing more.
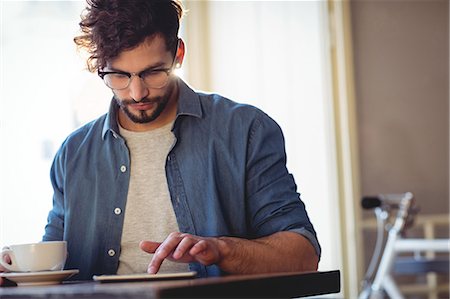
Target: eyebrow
(156, 66)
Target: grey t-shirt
(149, 213)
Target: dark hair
(111, 26)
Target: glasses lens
(156, 79)
(116, 81)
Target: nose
(137, 89)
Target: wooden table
(280, 285)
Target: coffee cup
(43, 256)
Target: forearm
(280, 252)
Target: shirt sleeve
(54, 230)
(273, 201)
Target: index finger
(164, 250)
(7, 260)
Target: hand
(182, 248)
(3, 281)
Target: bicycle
(377, 284)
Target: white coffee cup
(43, 256)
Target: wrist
(224, 250)
(229, 252)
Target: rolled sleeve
(273, 201)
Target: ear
(180, 54)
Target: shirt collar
(188, 101)
(188, 104)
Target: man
(195, 180)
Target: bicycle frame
(383, 281)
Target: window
(45, 93)
(275, 55)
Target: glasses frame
(168, 70)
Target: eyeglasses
(152, 78)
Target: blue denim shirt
(226, 174)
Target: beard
(143, 116)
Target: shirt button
(117, 211)
(123, 168)
(111, 252)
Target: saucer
(38, 278)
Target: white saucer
(38, 278)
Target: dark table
(279, 285)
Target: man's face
(142, 106)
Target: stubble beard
(143, 117)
